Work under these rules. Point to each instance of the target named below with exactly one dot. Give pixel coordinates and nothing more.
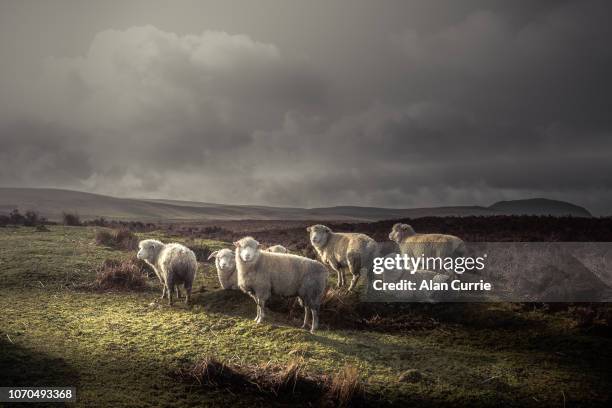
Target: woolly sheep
(262, 273)
(173, 264)
(342, 250)
(225, 263)
(428, 245)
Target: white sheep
(427, 245)
(173, 264)
(225, 263)
(262, 273)
(340, 250)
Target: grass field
(122, 348)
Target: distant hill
(52, 202)
(540, 206)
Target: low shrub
(129, 274)
(71, 219)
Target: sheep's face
(248, 249)
(225, 259)
(319, 234)
(148, 249)
(400, 231)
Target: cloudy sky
(310, 103)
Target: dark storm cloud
(41, 153)
(362, 103)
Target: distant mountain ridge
(52, 202)
(540, 206)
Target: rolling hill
(52, 202)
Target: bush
(130, 274)
(123, 239)
(71, 219)
(32, 219)
(16, 218)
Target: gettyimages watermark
(489, 272)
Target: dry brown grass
(346, 386)
(130, 274)
(123, 239)
(281, 382)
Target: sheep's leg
(163, 290)
(251, 294)
(170, 289)
(178, 292)
(354, 281)
(354, 264)
(315, 320)
(305, 317)
(262, 310)
(336, 267)
(188, 294)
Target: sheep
(279, 249)
(226, 265)
(225, 262)
(173, 264)
(262, 273)
(427, 245)
(341, 250)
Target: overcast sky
(310, 103)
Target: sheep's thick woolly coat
(177, 264)
(228, 278)
(284, 275)
(427, 245)
(174, 264)
(347, 250)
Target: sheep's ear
(236, 244)
(309, 229)
(213, 255)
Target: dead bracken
(287, 382)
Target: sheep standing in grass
(225, 262)
(427, 245)
(262, 273)
(173, 264)
(341, 250)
